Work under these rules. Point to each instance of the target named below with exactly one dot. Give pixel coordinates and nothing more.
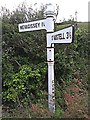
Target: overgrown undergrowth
(24, 70)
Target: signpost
(62, 36)
(47, 24)
(31, 26)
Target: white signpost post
(62, 36)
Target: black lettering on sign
(56, 37)
(53, 92)
(34, 25)
(22, 27)
(28, 26)
(68, 35)
(63, 36)
(43, 24)
(38, 24)
(52, 37)
(31, 25)
(25, 26)
(59, 36)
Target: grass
(81, 25)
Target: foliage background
(24, 68)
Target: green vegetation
(24, 69)
(83, 25)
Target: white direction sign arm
(44, 24)
(31, 26)
(62, 36)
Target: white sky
(67, 7)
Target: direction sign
(65, 35)
(37, 25)
(31, 26)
